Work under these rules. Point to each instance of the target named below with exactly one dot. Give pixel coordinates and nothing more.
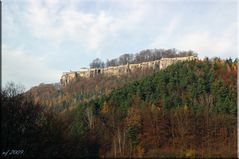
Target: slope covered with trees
(194, 84)
(186, 110)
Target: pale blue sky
(43, 38)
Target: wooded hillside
(186, 110)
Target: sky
(43, 38)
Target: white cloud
(21, 67)
(91, 29)
(168, 31)
(209, 44)
(172, 26)
(205, 42)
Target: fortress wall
(68, 76)
(121, 69)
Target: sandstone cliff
(67, 77)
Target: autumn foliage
(187, 110)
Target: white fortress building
(67, 77)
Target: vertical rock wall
(67, 77)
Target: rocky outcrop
(67, 77)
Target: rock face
(67, 77)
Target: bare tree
(90, 118)
(97, 63)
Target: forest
(188, 110)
